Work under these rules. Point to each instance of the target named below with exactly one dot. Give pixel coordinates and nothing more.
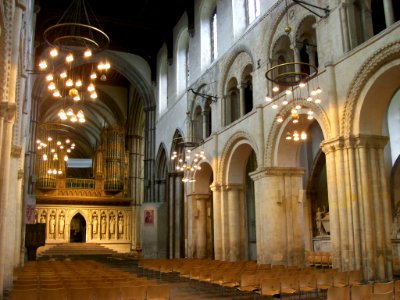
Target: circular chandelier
(53, 148)
(74, 39)
(294, 83)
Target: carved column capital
(276, 171)
(16, 151)
(7, 110)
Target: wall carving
(103, 225)
(380, 57)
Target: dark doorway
(78, 229)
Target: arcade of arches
(257, 196)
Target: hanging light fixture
(76, 37)
(187, 157)
(293, 83)
(52, 144)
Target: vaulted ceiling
(138, 27)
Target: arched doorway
(78, 229)
(238, 205)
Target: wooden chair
(270, 287)
(382, 296)
(307, 284)
(355, 277)
(24, 294)
(338, 293)
(361, 292)
(397, 286)
(248, 283)
(324, 282)
(383, 287)
(80, 293)
(51, 294)
(289, 285)
(107, 293)
(340, 279)
(158, 292)
(137, 292)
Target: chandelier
(71, 70)
(53, 148)
(294, 84)
(187, 159)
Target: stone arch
(162, 150)
(79, 211)
(270, 35)
(228, 64)
(201, 185)
(300, 24)
(275, 133)
(238, 138)
(380, 58)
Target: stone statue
(95, 224)
(112, 224)
(103, 224)
(61, 224)
(52, 224)
(120, 225)
(319, 215)
(42, 218)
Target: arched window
(248, 95)
(247, 85)
(378, 16)
(207, 111)
(197, 125)
(253, 10)
(182, 62)
(234, 104)
(208, 32)
(163, 85)
(282, 53)
(307, 44)
(214, 39)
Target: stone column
(217, 221)
(366, 22)
(201, 201)
(280, 218)
(344, 27)
(233, 209)
(312, 55)
(360, 211)
(205, 124)
(178, 221)
(224, 223)
(223, 111)
(135, 182)
(389, 14)
(242, 99)
(149, 157)
(171, 209)
(297, 57)
(350, 23)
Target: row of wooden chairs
(318, 259)
(82, 280)
(247, 276)
(377, 291)
(132, 292)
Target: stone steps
(75, 249)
